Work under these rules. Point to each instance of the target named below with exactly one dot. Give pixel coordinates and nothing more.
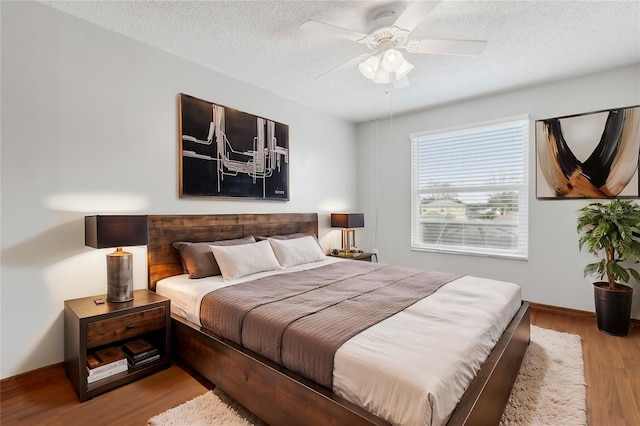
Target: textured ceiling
(261, 43)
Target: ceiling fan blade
(332, 30)
(350, 63)
(414, 14)
(447, 47)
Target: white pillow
(245, 259)
(297, 251)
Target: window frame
(521, 252)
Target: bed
(277, 394)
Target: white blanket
(413, 367)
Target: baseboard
(571, 312)
(561, 311)
(10, 383)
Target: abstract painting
(229, 153)
(592, 155)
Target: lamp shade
(382, 77)
(347, 220)
(403, 69)
(391, 60)
(369, 67)
(116, 231)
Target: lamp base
(119, 276)
(348, 238)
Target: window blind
(470, 190)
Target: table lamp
(117, 231)
(347, 221)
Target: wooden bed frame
(276, 395)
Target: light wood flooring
(612, 368)
(45, 396)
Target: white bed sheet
(413, 367)
(186, 294)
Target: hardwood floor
(45, 396)
(612, 368)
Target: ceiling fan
(385, 63)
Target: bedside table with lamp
(110, 324)
(349, 221)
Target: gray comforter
(300, 319)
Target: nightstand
(359, 256)
(89, 327)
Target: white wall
(89, 125)
(554, 272)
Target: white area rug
(550, 390)
(213, 408)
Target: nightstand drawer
(106, 331)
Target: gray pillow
(198, 259)
(289, 236)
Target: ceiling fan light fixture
(382, 77)
(404, 69)
(386, 63)
(391, 60)
(370, 67)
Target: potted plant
(611, 233)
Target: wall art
(592, 155)
(229, 153)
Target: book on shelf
(105, 360)
(139, 349)
(111, 374)
(94, 377)
(116, 365)
(143, 361)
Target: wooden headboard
(164, 260)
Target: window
(470, 190)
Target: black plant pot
(613, 308)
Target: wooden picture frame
(228, 153)
(592, 155)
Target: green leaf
(618, 272)
(594, 269)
